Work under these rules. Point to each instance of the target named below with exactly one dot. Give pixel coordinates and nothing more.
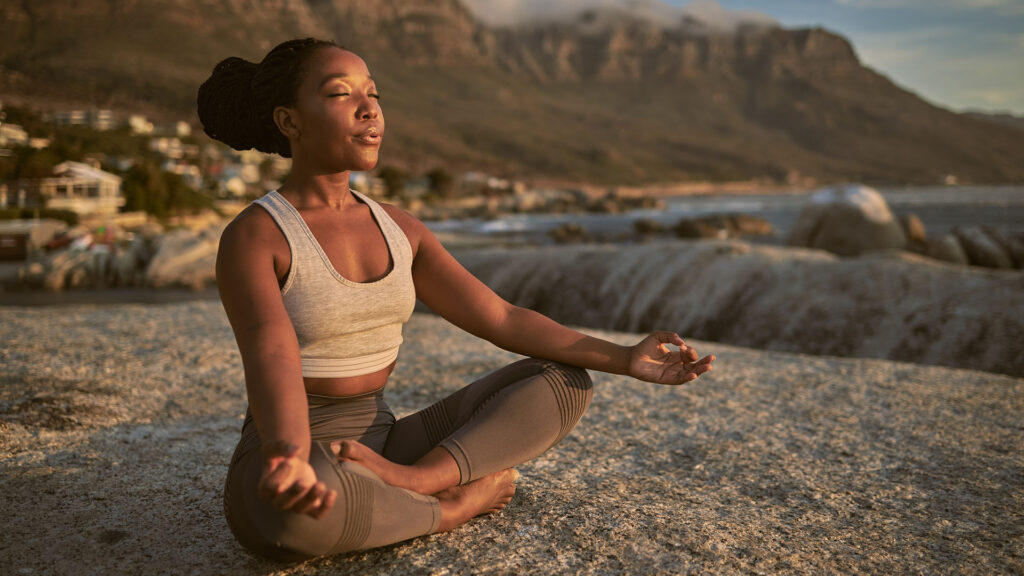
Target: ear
(288, 122)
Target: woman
(317, 280)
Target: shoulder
(252, 223)
(253, 236)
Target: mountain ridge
(628, 102)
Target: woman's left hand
(653, 361)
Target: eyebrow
(330, 77)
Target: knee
(565, 375)
(291, 537)
(572, 387)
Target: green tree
(394, 179)
(440, 182)
(151, 190)
(36, 163)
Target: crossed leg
(462, 449)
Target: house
(96, 119)
(139, 124)
(12, 135)
(19, 238)
(74, 186)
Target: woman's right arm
(248, 285)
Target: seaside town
(92, 198)
(97, 198)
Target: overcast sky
(960, 54)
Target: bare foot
(433, 473)
(484, 496)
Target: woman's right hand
(290, 483)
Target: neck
(318, 190)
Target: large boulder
(68, 268)
(946, 248)
(1012, 244)
(913, 229)
(185, 258)
(128, 267)
(847, 220)
(891, 304)
(981, 248)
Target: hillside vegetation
(629, 102)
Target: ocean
(939, 208)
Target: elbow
(504, 324)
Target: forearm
(277, 399)
(530, 333)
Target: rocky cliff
(599, 97)
(889, 305)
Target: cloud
(712, 14)
(707, 12)
(990, 97)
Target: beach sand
(117, 424)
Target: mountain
(602, 97)
(1004, 118)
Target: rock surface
(847, 220)
(981, 248)
(185, 258)
(723, 226)
(947, 249)
(117, 424)
(893, 305)
(913, 229)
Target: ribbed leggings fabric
(501, 420)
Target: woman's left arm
(462, 299)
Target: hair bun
(236, 103)
(226, 106)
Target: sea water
(940, 209)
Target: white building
(139, 124)
(74, 186)
(12, 135)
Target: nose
(368, 109)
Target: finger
(667, 337)
(698, 369)
(287, 499)
(311, 500)
(325, 504)
(688, 354)
(706, 361)
(276, 476)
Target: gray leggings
(501, 420)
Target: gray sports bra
(344, 328)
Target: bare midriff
(349, 385)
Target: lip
(371, 135)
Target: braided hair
(236, 103)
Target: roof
(79, 170)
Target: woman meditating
(317, 280)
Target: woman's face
(337, 114)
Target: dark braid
(236, 103)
